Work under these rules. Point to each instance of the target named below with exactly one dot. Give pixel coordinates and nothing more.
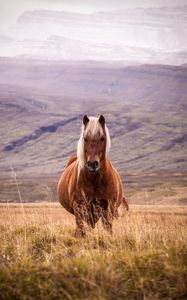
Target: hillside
(42, 104)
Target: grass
(146, 258)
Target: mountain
(42, 104)
(139, 27)
(140, 35)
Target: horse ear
(85, 120)
(102, 120)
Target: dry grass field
(146, 258)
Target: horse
(90, 187)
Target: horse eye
(102, 139)
(85, 139)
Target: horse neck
(104, 165)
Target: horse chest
(92, 187)
(91, 191)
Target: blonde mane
(93, 128)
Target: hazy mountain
(151, 35)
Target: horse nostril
(96, 164)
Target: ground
(146, 258)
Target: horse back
(71, 160)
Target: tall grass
(146, 258)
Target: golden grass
(146, 258)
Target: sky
(11, 10)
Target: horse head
(94, 143)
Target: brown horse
(90, 187)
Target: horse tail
(123, 207)
(125, 202)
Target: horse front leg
(79, 217)
(79, 231)
(106, 216)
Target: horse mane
(93, 128)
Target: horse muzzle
(92, 166)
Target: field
(41, 109)
(146, 258)
(156, 188)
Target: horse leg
(107, 224)
(93, 213)
(106, 216)
(79, 231)
(78, 212)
